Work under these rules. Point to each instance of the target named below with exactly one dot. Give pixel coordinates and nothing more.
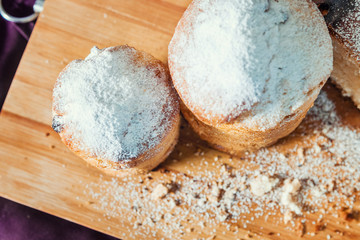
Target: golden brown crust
(341, 18)
(346, 74)
(342, 22)
(147, 160)
(141, 164)
(231, 139)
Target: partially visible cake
(343, 19)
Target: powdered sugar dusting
(112, 107)
(230, 56)
(344, 18)
(320, 176)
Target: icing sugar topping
(344, 18)
(229, 56)
(113, 107)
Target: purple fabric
(18, 222)
(13, 39)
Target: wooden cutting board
(37, 170)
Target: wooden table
(37, 170)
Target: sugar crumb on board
(305, 180)
(159, 192)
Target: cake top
(343, 18)
(229, 56)
(116, 104)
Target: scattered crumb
(262, 185)
(159, 192)
(290, 190)
(271, 182)
(288, 216)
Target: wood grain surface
(37, 170)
